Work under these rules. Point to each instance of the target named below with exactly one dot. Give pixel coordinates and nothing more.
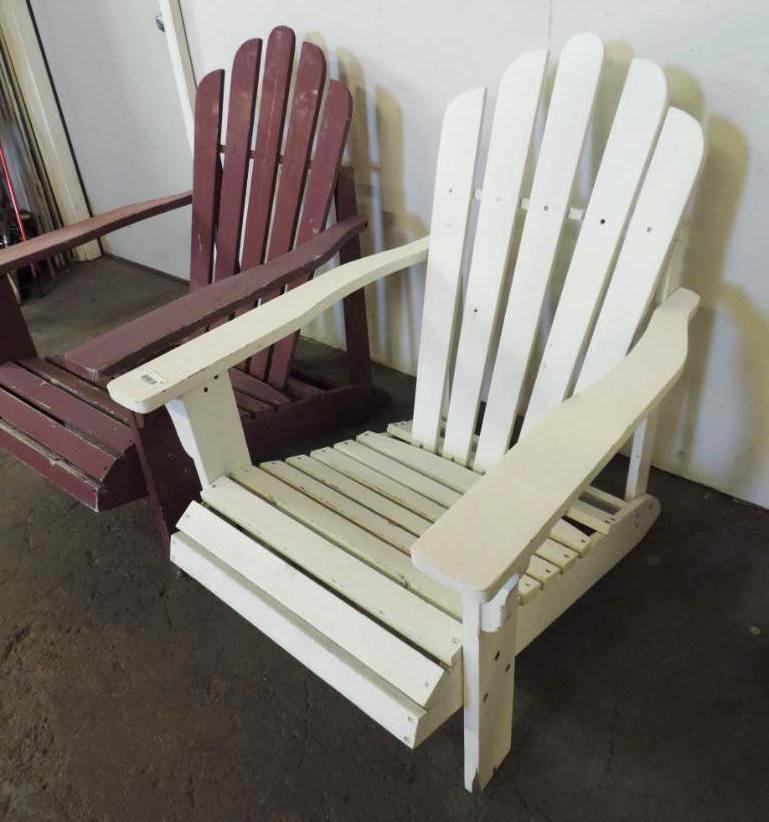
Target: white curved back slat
(665, 192)
(454, 185)
(571, 106)
(624, 161)
(514, 117)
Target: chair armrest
(136, 341)
(71, 236)
(196, 362)
(490, 533)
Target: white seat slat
(352, 538)
(357, 491)
(350, 510)
(542, 570)
(514, 116)
(629, 145)
(419, 622)
(568, 117)
(448, 473)
(386, 654)
(570, 536)
(591, 516)
(454, 186)
(402, 474)
(558, 554)
(652, 228)
(375, 696)
(528, 588)
(379, 482)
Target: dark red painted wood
(354, 305)
(298, 388)
(278, 63)
(310, 77)
(51, 467)
(321, 179)
(205, 177)
(92, 394)
(139, 340)
(240, 120)
(71, 236)
(250, 405)
(61, 406)
(91, 458)
(15, 340)
(247, 384)
(169, 473)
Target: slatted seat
(408, 568)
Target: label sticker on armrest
(152, 377)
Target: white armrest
(196, 362)
(490, 533)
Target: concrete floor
(128, 693)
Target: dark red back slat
(205, 177)
(329, 146)
(240, 123)
(279, 61)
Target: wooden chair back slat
(625, 158)
(276, 80)
(516, 110)
(205, 177)
(308, 86)
(319, 191)
(651, 231)
(454, 185)
(568, 118)
(240, 120)
(643, 181)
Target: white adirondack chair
(407, 569)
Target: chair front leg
(489, 670)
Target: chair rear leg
(489, 669)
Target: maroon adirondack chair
(54, 412)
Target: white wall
(112, 74)
(405, 60)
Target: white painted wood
(603, 499)
(386, 600)
(342, 505)
(570, 536)
(379, 482)
(397, 514)
(196, 362)
(489, 671)
(651, 230)
(358, 542)
(372, 694)
(641, 452)
(514, 507)
(208, 425)
(40, 101)
(571, 105)
(528, 588)
(593, 517)
(541, 610)
(181, 63)
(541, 570)
(557, 554)
(424, 485)
(448, 473)
(387, 655)
(514, 116)
(452, 196)
(625, 157)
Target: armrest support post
(208, 424)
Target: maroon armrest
(71, 236)
(145, 337)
